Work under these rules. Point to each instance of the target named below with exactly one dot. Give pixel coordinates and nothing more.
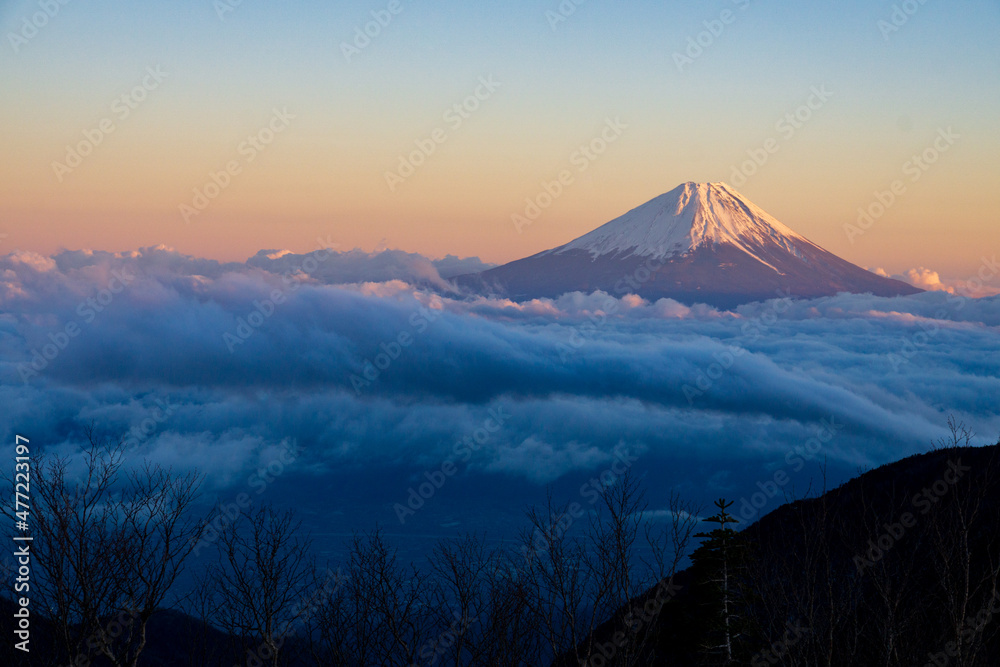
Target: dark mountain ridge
(899, 566)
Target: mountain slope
(896, 567)
(698, 243)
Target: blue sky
(890, 96)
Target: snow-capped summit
(700, 242)
(689, 216)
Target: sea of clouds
(374, 360)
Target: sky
(663, 93)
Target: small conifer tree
(716, 560)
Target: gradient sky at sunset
(324, 174)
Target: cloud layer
(215, 365)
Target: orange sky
(324, 172)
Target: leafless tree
(579, 583)
(805, 589)
(556, 580)
(968, 579)
(261, 582)
(112, 542)
(669, 541)
(460, 601)
(378, 616)
(109, 546)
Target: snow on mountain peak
(689, 216)
(710, 244)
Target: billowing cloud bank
(216, 365)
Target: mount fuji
(698, 243)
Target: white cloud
(580, 374)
